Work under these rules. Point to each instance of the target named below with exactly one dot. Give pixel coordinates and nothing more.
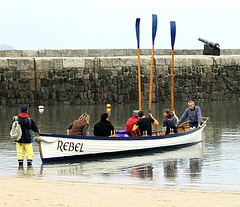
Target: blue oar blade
(137, 31)
(154, 27)
(173, 33)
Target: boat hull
(63, 147)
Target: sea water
(211, 165)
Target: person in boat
(194, 114)
(169, 122)
(103, 127)
(144, 123)
(25, 143)
(130, 123)
(80, 126)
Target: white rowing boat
(54, 147)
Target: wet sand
(28, 192)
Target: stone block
(165, 70)
(29, 53)
(11, 53)
(27, 75)
(194, 75)
(168, 61)
(132, 52)
(225, 60)
(135, 62)
(58, 64)
(208, 69)
(95, 53)
(74, 53)
(112, 52)
(3, 63)
(89, 63)
(235, 61)
(31, 85)
(209, 77)
(203, 77)
(49, 53)
(25, 64)
(159, 61)
(74, 63)
(145, 52)
(12, 63)
(182, 61)
(127, 62)
(44, 63)
(146, 61)
(116, 62)
(195, 62)
(205, 61)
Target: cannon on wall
(210, 48)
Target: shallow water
(212, 165)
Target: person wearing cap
(25, 143)
(130, 123)
(145, 123)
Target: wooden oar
(173, 35)
(154, 31)
(139, 77)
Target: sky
(109, 24)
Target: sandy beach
(27, 192)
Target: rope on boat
(40, 139)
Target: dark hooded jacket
(27, 124)
(103, 128)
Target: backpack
(16, 130)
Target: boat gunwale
(124, 138)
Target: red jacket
(129, 125)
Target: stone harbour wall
(105, 52)
(93, 80)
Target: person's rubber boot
(20, 164)
(29, 163)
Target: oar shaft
(172, 85)
(139, 82)
(151, 80)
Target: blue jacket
(193, 115)
(27, 124)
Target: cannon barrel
(211, 44)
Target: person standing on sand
(25, 143)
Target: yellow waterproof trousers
(21, 147)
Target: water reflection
(195, 167)
(170, 169)
(142, 172)
(25, 172)
(141, 166)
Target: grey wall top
(104, 52)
